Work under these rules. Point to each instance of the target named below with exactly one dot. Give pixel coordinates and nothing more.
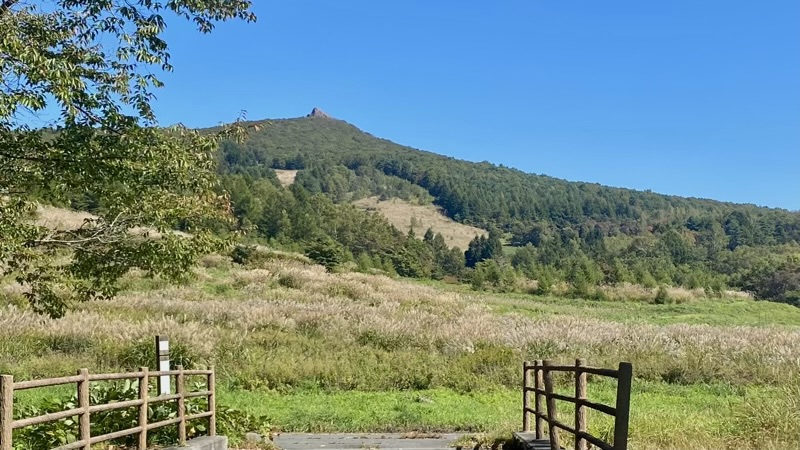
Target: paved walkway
(366, 441)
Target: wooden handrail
(610, 373)
(84, 410)
(115, 405)
(31, 384)
(595, 441)
(610, 410)
(544, 391)
(31, 421)
(20, 385)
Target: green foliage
(326, 252)
(256, 256)
(235, 423)
(482, 248)
(91, 60)
(142, 353)
(662, 296)
(500, 277)
(779, 281)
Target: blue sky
(693, 98)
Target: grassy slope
(352, 352)
(286, 177)
(400, 213)
(60, 218)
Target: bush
(662, 296)
(326, 252)
(254, 256)
(544, 285)
(290, 281)
(243, 254)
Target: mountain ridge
(317, 112)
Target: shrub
(255, 256)
(662, 296)
(290, 281)
(326, 252)
(243, 254)
(543, 285)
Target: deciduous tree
(94, 62)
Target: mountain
(573, 231)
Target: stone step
(358, 441)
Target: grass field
(314, 351)
(403, 215)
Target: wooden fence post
(180, 389)
(623, 406)
(212, 403)
(539, 408)
(526, 419)
(6, 411)
(552, 413)
(144, 392)
(83, 403)
(580, 410)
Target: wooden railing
(542, 387)
(84, 410)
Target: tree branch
(6, 5)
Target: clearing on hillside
(63, 219)
(286, 177)
(405, 215)
(60, 218)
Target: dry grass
(289, 324)
(286, 177)
(60, 218)
(628, 291)
(291, 296)
(63, 219)
(350, 306)
(403, 214)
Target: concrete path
(366, 441)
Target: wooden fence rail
(84, 410)
(543, 388)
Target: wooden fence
(542, 387)
(84, 410)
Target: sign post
(162, 364)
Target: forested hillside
(585, 234)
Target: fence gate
(538, 378)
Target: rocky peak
(316, 112)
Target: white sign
(162, 362)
